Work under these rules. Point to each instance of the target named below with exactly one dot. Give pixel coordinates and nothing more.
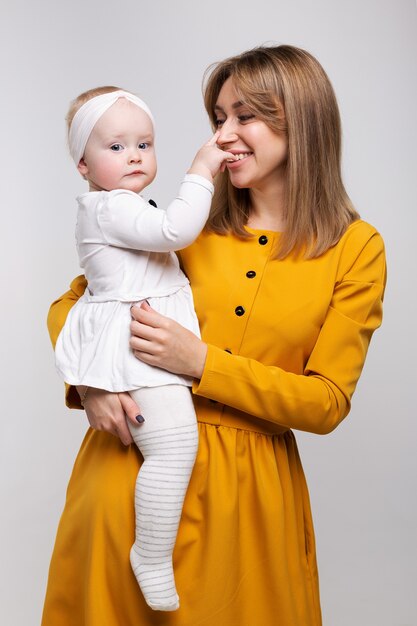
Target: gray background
(361, 477)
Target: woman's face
(262, 152)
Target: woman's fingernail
(147, 302)
(140, 419)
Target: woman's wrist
(82, 392)
(200, 360)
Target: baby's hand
(210, 159)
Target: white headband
(88, 115)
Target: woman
(288, 284)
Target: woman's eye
(143, 146)
(218, 123)
(246, 117)
(116, 147)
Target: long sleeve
(127, 221)
(317, 399)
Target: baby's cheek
(151, 163)
(109, 172)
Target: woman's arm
(105, 411)
(61, 307)
(316, 400)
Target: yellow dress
(287, 342)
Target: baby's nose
(135, 156)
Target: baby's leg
(168, 441)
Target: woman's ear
(82, 168)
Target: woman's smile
(260, 153)
(238, 160)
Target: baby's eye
(116, 147)
(143, 145)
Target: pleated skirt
(245, 552)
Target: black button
(227, 350)
(251, 274)
(263, 239)
(239, 310)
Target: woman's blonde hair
(85, 97)
(287, 88)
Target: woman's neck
(267, 209)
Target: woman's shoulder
(358, 236)
(361, 246)
(359, 233)
(359, 230)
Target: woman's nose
(228, 133)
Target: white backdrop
(361, 477)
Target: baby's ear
(82, 168)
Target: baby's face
(120, 151)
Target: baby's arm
(127, 221)
(210, 159)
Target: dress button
(251, 274)
(263, 239)
(239, 310)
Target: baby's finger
(228, 156)
(213, 140)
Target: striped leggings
(168, 442)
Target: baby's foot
(156, 582)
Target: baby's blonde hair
(85, 97)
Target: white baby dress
(126, 248)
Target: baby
(126, 248)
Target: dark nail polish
(140, 419)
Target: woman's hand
(108, 411)
(160, 341)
